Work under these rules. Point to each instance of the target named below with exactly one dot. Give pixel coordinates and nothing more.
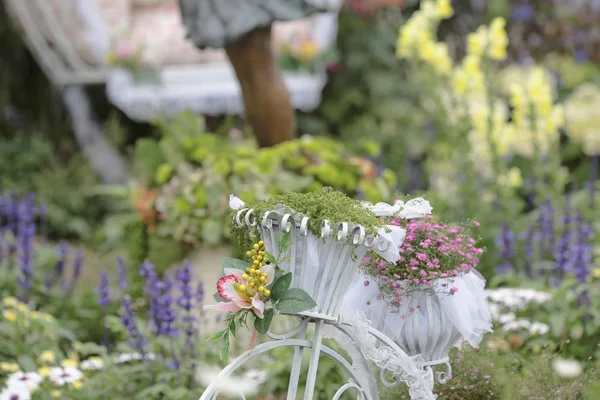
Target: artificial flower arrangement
(125, 55)
(306, 55)
(296, 274)
(430, 251)
(256, 287)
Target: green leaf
(280, 286)
(262, 325)
(229, 262)
(216, 335)
(224, 353)
(270, 256)
(295, 300)
(149, 154)
(232, 327)
(27, 363)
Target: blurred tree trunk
(266, 98)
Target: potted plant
(431, 298)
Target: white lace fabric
(410, 370)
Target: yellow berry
(245, 277)
(242, 287)
(249, 293)
(261, 289)
(264, 274)
(247, 270)
(255, 262)
(267, 292)
(261, 243)
(248, 254)
(252, 284)
(255, 247)
(263, 279)
(259, 258)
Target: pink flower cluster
(430, 251)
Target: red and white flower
(236, 288)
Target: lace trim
(410, 370)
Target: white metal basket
(427, 324)
(322, 266)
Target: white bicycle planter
(325, 267)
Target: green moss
(325, 204)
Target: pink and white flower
(62, 376)
(235, 288)
(31, 380)
(15, 392)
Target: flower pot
(429, 322)
(323, 265)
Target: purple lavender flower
(523, 12)
(547, 230)
(59, 269)
(562, 253)
(166, 313)
(592, 180)
(1, 243)
(77, 267)
(183, 277)
(104, 300)
(152, 289)
(122, 275)
(528, 250)
(505, 244)
(582, 249)
(129, 321)
(25, 238)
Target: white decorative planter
(322, 266)
(427, 324)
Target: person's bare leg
(266, 98)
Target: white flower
(256, 375)
(506, 318)
(31, 380)
(92, 364)
(228, 385)
(517, 324)
(15, 392)
(540, 328)
(61, 376)
(567, 368)
(127, 357)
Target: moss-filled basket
(319, 237)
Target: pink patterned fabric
(161, 35)
(116, 15)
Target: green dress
(215, 23)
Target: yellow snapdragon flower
(445, 9)
(498, 39)
(460, 82)
(512, 178)
(477, 41)
(472, 64)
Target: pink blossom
(476, 223)
(124, 50)
(453, 289)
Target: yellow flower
(512, 178)
(472, 64)
(47, 356)
(77, 385)
(10, 316)
(427, 50)
(459, 82)
(477, 41)
(596, 273)
(9, 367)
(47, 317)
(308, 50)
(430, 10)
(445, 9)
(55, 393)
(22, 308)
(9, 302)
(69, 363)
(44, 371)
(35, 315)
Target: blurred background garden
(488, 109)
